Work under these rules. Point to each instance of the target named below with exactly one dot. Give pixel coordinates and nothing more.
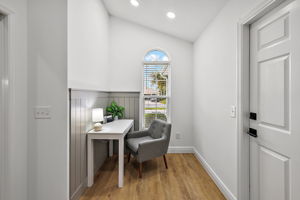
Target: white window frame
(168, 94)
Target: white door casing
(275, 97)
(3, 105)
(2, 154)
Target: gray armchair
(149, 144)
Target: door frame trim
(243, 93)
(8, 88)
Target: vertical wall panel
(77, 142)
(126, 107)
(83, 142)
(72, 148)
(137, 113)
(131, 107)
(122, 102)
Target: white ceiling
(192, 16)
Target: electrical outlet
(178, 136)
(42, 112)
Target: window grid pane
(155, 108)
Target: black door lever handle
(253, 116)
(252, 132)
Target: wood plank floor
(185, 179)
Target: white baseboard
(79, 191)
(224, 189)
(181, 149)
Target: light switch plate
(42, 112)
(178, 136)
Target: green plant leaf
(108, 109)
(115, 110)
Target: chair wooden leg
(165, 160)
(129, 155)
(140, 170)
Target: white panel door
(275, 98)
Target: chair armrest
(152, 149)
(138, 134)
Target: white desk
(115, 130)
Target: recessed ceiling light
(135, 3)
(171, 15)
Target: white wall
(48, 139)
(129, 44)
(215, 91)
(88, 38)
(17, 139)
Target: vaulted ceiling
(192, 16)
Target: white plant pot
(116, 118)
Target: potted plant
(115, 110)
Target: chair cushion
(133, 143)
(157, 129)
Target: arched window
(156, 56)
(156, 90)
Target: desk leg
(90, 162)
(111, 148)
(121, 162)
